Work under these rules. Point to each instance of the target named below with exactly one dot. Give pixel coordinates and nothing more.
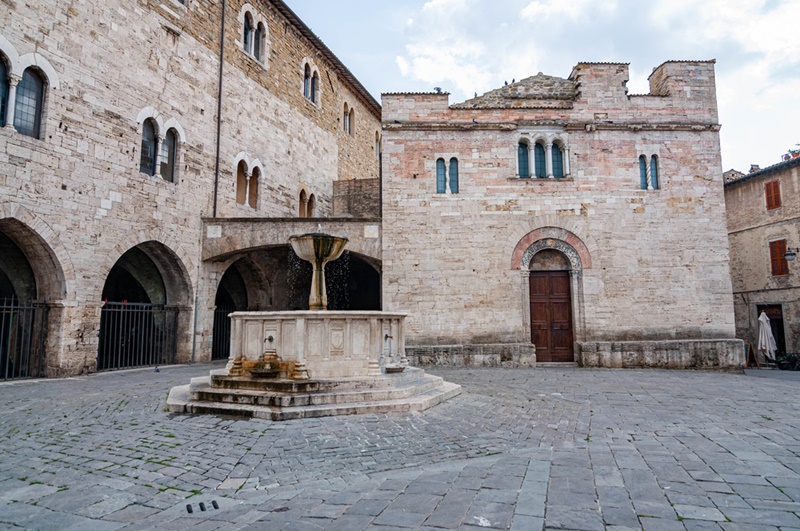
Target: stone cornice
(571, 126)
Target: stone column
(566, 162)
(247, 174)
(159, 147)
(300, 371)
(548, 158)
(13, 81)
(647, 173)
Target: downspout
(219, 108)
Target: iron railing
(23, 329)
(136, 335)
(221, 341)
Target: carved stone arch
(40, 63)
(152, 113)
(12, 57)
(547, 237)
(242, 156)
(172, 123)
(550, 243)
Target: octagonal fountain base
(292, 365)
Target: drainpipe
(219, 107)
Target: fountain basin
(318, 249)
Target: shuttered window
(654, 172)
(539, 160)
(773, 191)
(642, 172)
(441, 178)
(777, 250)
(558, 162)
(522, 160)
(454, 175)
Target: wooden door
(551, 316)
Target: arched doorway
(23, 319)
(231, 297)
(551, 306)
(139, 318)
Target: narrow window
(28, 108)
(454, 175)
(539, 161)
(351, 121)
(252, 191)
(777, 250)
(3, 91)
(259, 41)
(303, 204)
(147, 161)
(558, 162)
(346, 120)
(168, 151)
(315, 88)
(241, 183)
(247, 39)
(773, 191)
(441, 178)
(642, 172)
(312, 203)
(654, 172)
(522, 160)
(377, 145)
(307, 82)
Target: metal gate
(221, 346)
(22, 339)
(136, 335)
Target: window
(654, 172)
(28, 108)
(3, 91)
(252, 189)
(303, 204)
(307, 82)
(258, 43)
(168, 152)
(642, 172)
(241, 183)
(539, 160)
(558, 162)
(247, 38)
(346, 120)
(454, 175)
(351, 121)
(777, 250)
(147, 160)
(441, 178)
(312, 203)
(773, 191)
(522, 160)
(315, 88)
(377, 145)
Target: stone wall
(360, 198)
(701, 354)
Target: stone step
(284, 385)
(401, 389)
(420, 402)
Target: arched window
(315, 88)
(441, 177)
(28, 107)
(303, 204)
(241, 183)
(654, 172)
(346, 119)
(169, 150)
(642, 172)
(522, 160)
(252, 189)
(247, 38)
(377, 144)
(351, 121)
(312, 203)
(3, 91)
(258, 42)
(307, 82)
(539, 160)
(558, 162)
(147, 160)
(454, 175)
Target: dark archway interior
(232, 291)
(17, 280)
(135, 278)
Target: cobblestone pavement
(521, 449)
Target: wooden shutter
(441, 179)
(642, 172)
(522, 157)
(539, 161)
(773, 191)
(777, 250)
(454, 175)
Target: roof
(769, 170)
(362, 93)
(539, 91)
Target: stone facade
(760, 232)
(647, 267)
(73, 200)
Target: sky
(469, 46)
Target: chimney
(754, 168)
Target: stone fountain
(296, 364)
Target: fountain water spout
(318, 249)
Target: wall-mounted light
(790, 253)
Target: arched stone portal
(143, 296)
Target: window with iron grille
(773, 192)
(777, 250)
(28, 107)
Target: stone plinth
(320, 344)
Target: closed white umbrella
(766, 341)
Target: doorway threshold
(546, 364)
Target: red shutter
(773, 191)
(776, 251)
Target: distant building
(763, 208)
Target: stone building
(763, 208)
(154, 157)
(564, 213)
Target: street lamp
(790, 253)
